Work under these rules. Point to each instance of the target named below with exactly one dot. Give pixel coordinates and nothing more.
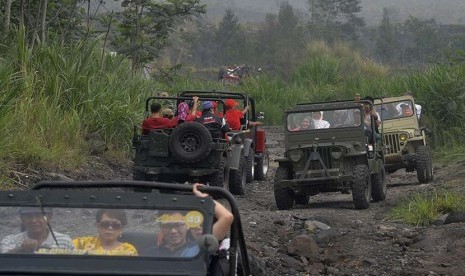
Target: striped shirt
(16, 240)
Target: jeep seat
(140, 240)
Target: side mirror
(208, 243)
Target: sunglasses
(169, 226)
(110, 224)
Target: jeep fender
(283, 161)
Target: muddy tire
(301, 198)
(262, 166)
(217, 178)
(424, 166)
(249, 166)
(237, 179)
(378, 183)
(361, 187)
(190, 142)
(284, 197)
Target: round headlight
(403, 137)
(336, 152)
(295, 155)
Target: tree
(146, 24)
(335, 19)
(386, 42)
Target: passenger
(370, 111)
(215, 109)
(341, 118)
(167, 113)
(186, 112)
(306, 124)
(156, 120)
(406, 110)
(318, 121)
(214, 123)
(36, 235)
(173, 237)
(234, 115)
(110, 224)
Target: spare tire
(190, 142)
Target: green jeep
(405, 144)
(186, 153)
(343, 157)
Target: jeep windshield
(310, 120)
(395, 110)
(104, 232)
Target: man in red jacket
(156, 120)
(234, 115)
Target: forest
(60, 83)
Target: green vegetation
(422, 209)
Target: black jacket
(214, 123)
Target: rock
(370, 262)
(96, 143)
(304, 246)
(386, 228)
(440, 220)
(313, 226)
(455, 217)
(427, 244)
(292, 262)
(332, 270)
(59, 177)
(324, 237)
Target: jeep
(186, 153)
(254, 156)
(344, 157)
(405, 141)
(74, 205)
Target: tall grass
(422, 209)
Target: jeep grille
(325, 153)
(393, 143)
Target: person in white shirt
(318, 121)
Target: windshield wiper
(46, 220)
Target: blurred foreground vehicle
(70, 208)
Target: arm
(245, 110)
(194, 108)
(224, 217)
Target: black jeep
(185, 153)
(75, 205)
(343, 156)
(251, 141)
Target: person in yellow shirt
(110, 224)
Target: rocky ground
(328, 236)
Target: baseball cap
(230, 103)
(171, 218)
(207, 105)
(34, 210)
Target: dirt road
(358, 242)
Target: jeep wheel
(424, 164)
(249, 166)
(361, 187)
(378, 183)
(263, 163)
(301, 198)
(217, 178)
(190, 142)
(284, 197)
(431, 174)
(237, 179)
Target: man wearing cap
(36, 235)
(172, 240)
(214, 123)
(234, 115)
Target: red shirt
(233, 118)
(157, 123)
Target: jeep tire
(249, 165)
(378, 183)
(261, 168)
(217, 178)
(283, 196)
(237, 178)
(361, 187)
(424, 166)
(301, 198)
(190, 142)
